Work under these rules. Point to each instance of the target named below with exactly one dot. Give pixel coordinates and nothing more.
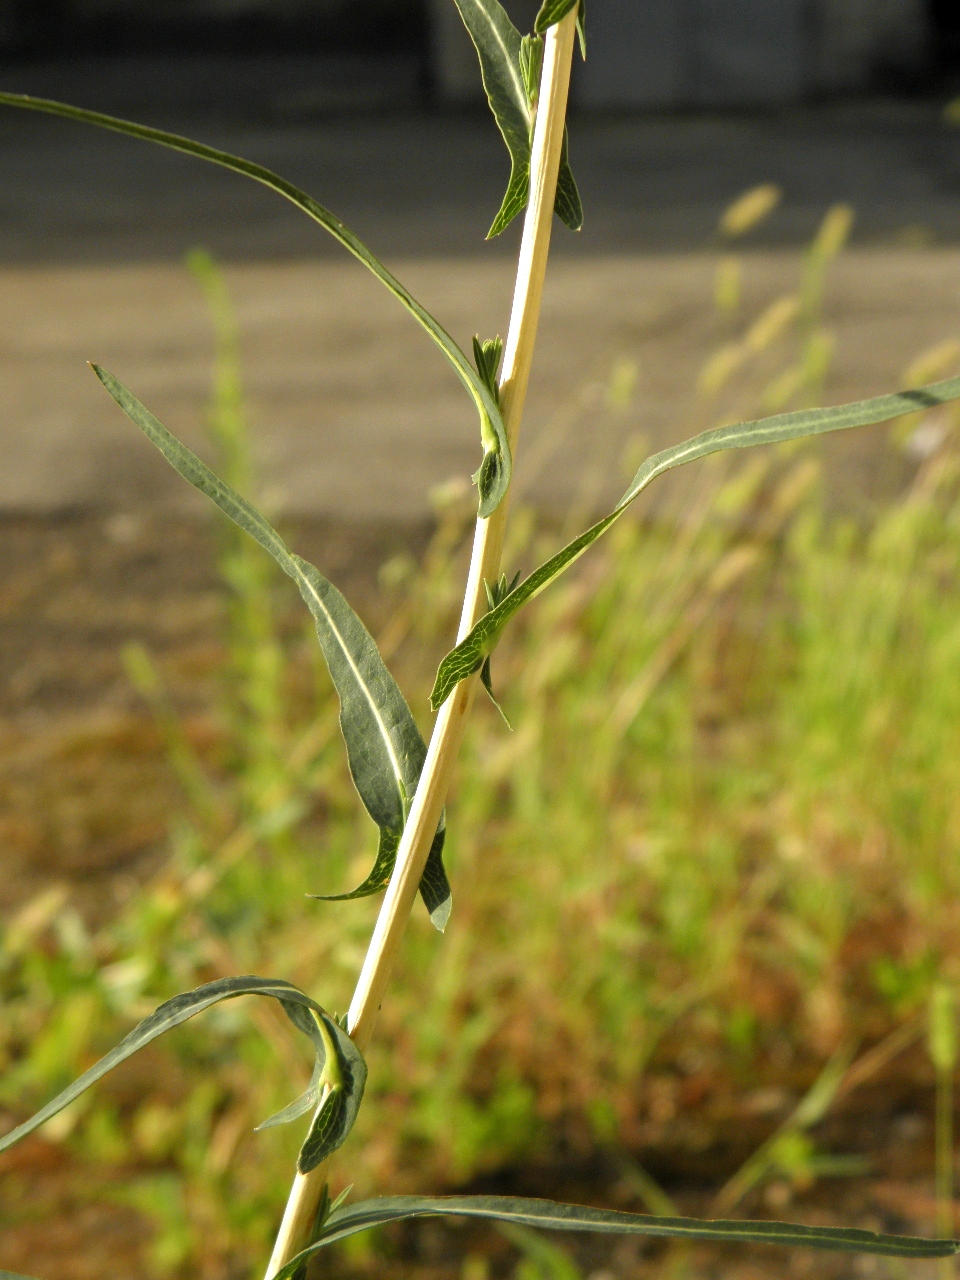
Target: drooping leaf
(567, 202)
(492, 431)
(553, 11)
(511, 91)
(340, 1096)
(550, 1215)
(434, 886)
(336, 1052)
(384, 746)
(343, 1074)
(469, 655)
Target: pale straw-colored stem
(447, 734)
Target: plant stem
(431, 795)
(944, 1163)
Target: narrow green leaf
(567, 202)
(384, 747)
(343, 1074)
(553, 11)
(13, 1275)
(499, 591)
(549, 1215)
(486, 679)
(434, 885)
(300, 1106)
(303, 1012)
(379, 876)
(492, 431)
(507, 68)
(469, 655)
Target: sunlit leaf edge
(552, 1215)
(468, 656)
(493, 432)
(172, 1013)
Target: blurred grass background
(705, 894)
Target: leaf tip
(439, 693)
(440, 915)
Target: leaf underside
(305, 1014)
(497, 42)
(492, 431)
(550, 1215)
(469, 655)
(385, 749)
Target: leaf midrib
(516, 79)
(398, 772)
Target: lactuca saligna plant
(402, 781)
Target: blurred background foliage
(703, 894)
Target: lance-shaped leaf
(492, 432)
(384, 746)
(470, 654)
(550, 1215)
(336, 1052)
(512, 98)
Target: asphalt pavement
(354, 414)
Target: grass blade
(384, 747)
(334, 1047)
(550, 1215)
(469, 655)
(497, 42)
(492, 431)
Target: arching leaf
(469, 655)
(550, 1215)
(492, 432)
(337, 1055)
(384, 747)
